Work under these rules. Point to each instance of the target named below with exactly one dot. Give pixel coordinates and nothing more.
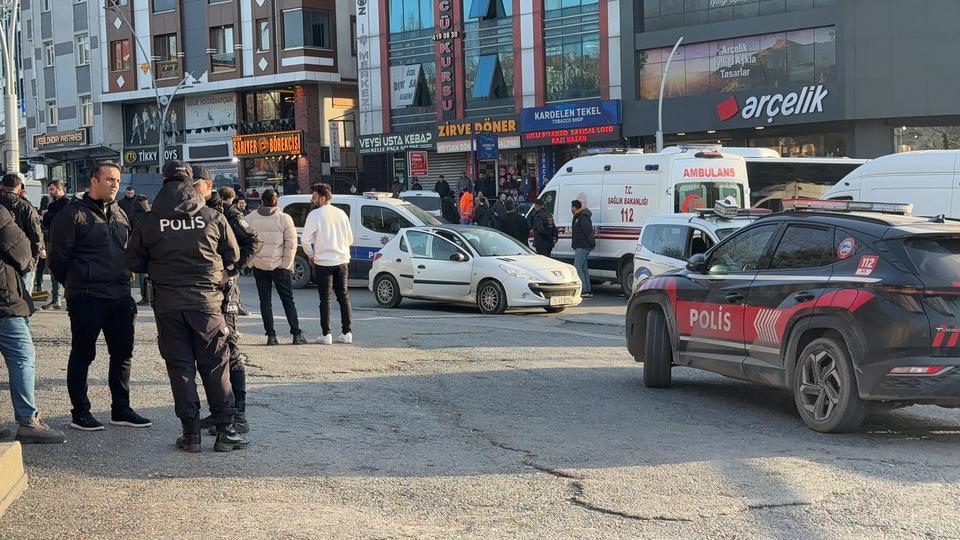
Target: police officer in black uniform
(249, 245)
(186, 248)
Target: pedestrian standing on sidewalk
(185, 248)
(16, 343)
(25, 216)
(249, 245)
(273, 264)
(544, 229)
(135, 207)
(514, 224)
(88, 243)
(326, 241)
(57, 201)
(583, 243)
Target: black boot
(190, 440)
(239, 420)
(228, 439)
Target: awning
(82, 152)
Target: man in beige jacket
(272, 265)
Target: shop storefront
(70, 157)
(488, 149)
(269, 160)
(397, 146)
(211, 123)
(555, 134)
(143, 127)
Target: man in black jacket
(88, 243)
(187, 250)
(56, 202)
(544, 229)
(16, 343)
(442, 187)
(249, 245)
(448, 209)
(26, 217)
(514, 224)
(583, 243)
(135, 207)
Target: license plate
(561, 300)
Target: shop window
(164, 5)
(908, 139)
(487, 9)
(222, 58)
(489, 83)
(309, 28)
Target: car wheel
(555, 309)
(491, 298)
(657, 355)
(300, 272)
(626, 277)
(825, 388)
(387, 291)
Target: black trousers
(238, 377)
(192, 342)
(543, 250)
(333, 280)
(88, 318)
(281, 279)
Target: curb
(13, 479)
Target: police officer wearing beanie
(185, 248)
(249, 245)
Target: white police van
(668, 240)
(374, 217)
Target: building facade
(67, 128)
(494, 89)
(252, 89)
(855, 78)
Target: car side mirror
(697, 263)
(458, 257)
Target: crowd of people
(186, 251)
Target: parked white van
(623, 190)
(930, 179)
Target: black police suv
(844, 308)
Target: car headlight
(517, 272)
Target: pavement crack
(578, 500)
(777, 505)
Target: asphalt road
(440, 422)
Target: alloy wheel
(489, 298)
(820, 385)
(385, 291)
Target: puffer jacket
(279, 236)
(15, 260)
(582, 230)
(184, 247)
(27, 218)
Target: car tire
(491, 298)
(825, 388)
(657, 353)
(300, 273)
(555, 309)
(386, 291)
(626, 277)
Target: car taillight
(939, 304)
(909, 298)
(905, 297)
(918, 370)
(376, 256)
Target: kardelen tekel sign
(571, 123)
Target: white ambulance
(623, 190)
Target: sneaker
(86, 422)
(299, 340)
(586, 295)
(36, 431)
(243, 313)
(272, 340)
(129, 418)
(345, 338)
(229, 439)
(4, 433)
(325, 340)
(189, 442)
(55, 304)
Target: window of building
(803, 247)
(663, 14)
(45, 5)
(53, 113)
(572, 49)
(353, 35)
(910, 138)
(263, 35)
(306, 28)
(488, 57)
(779, 60)
(486, 9)
(49, 54)
(489, 82)
(30, 31)
(410, 15)
(81, 49)
(120, 55)
(113, 3)
(86, 111)
(166, 64)
(164, 5)
(221, 42)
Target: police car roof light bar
(904, 209)
(377, 195)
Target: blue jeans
(580, 263)
(16, 346)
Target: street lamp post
(161, 106)
(11, 110)
(663, 80)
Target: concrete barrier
(13, 479)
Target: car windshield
(723, 233)
(418, 213)
(491, 243)
(424, 203)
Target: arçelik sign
(809, 100)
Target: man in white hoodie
(326, 241)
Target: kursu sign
(283, 143)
